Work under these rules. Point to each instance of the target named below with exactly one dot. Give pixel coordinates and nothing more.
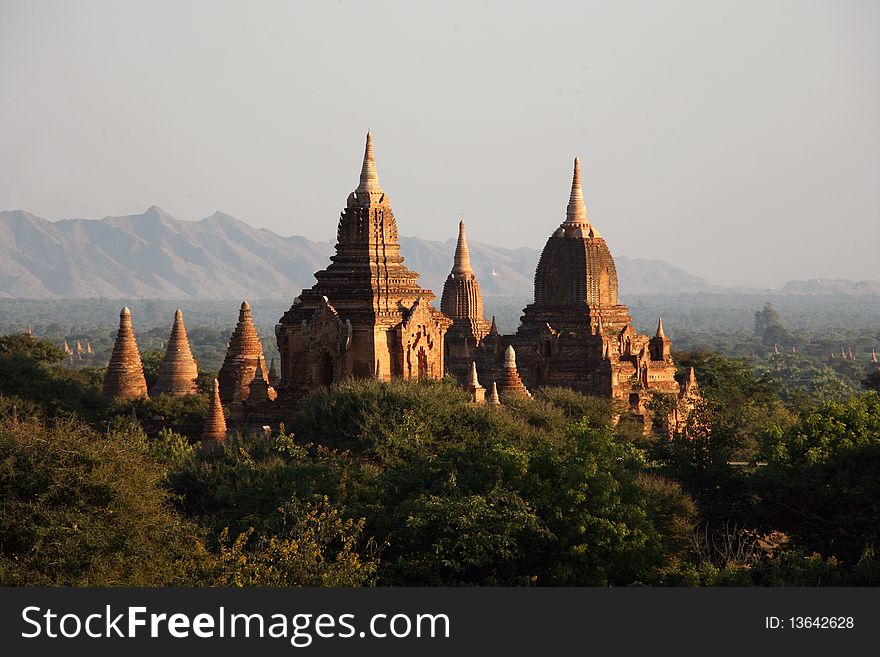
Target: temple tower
(214, 428)
(366, 316)
(462, 301)
(124, 379)
(242, 357)
(577, 334)
(178, 371)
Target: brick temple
(366, 317)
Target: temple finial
(660, 333)
(576, 213)
(462, 263)
(369, 176)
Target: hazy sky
(738, 140)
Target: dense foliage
(410, 484)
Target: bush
(85, 509)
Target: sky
(737, 140)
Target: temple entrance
(325, 370)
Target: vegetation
(410, 484)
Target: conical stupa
(273, 373)
(476, 391)
(259, 387)
(214, 428)
(493, 395)
(242, 356)
(125, 373)
(178, 371)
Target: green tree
(85, 509)
(25, 344)
(821, 482)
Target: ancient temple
(178, 371)
(366, 316)
(462, 302)
(243, 356)
(576, 333)
(124, 379)
(214, 428)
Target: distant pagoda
(243, 356)
(178, 371)
(124, 379)
(462, 301)
(366, 316)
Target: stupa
(476, 391)
(510, 383)
(178, 371)
(243, 355)
(214, 428)
(124, 379)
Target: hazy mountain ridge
(829, 286)
(155, 255)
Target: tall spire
(576, 213)
(369, 176)
(660, 333)
(178, 371)
(462, 263)
(125, 374)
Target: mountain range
(154, 255)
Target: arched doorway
(325, 370)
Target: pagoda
(366, 316)
(243, 355)
(214, 427)
(178, 371)
(124, 379)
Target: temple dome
(576, 266)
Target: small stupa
(475, 390)
(273, 373)
(125, 373)
(178, 371)
(493, 395)
(510, 382)
(260, 390)
(214, 428)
